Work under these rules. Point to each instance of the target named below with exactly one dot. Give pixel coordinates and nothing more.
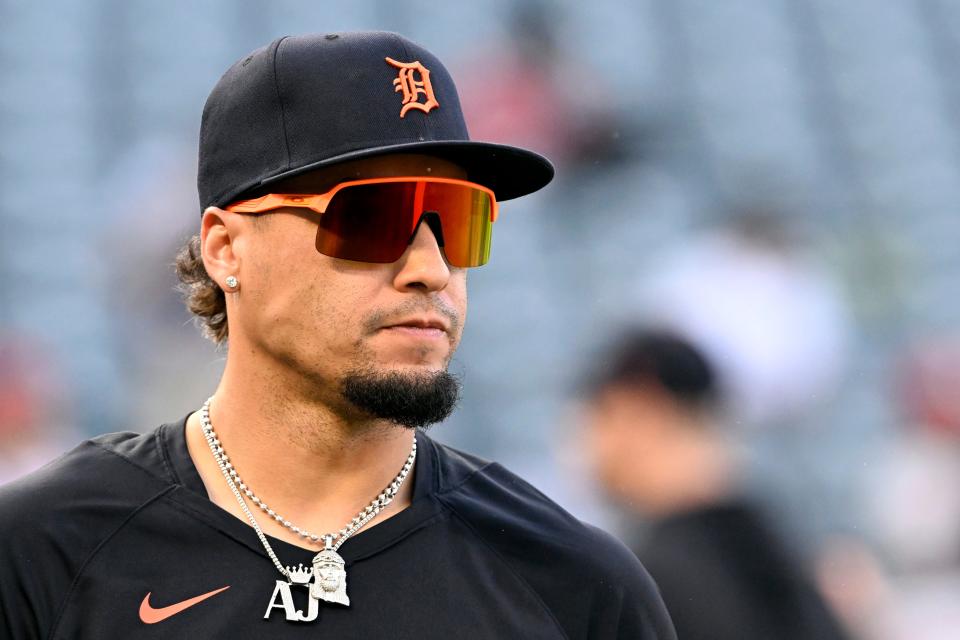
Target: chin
(414, 371)
(415, 357)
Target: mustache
(380, 318)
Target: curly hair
(204, 297)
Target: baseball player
(342, 205)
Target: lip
(421, 322)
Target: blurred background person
(910, 492)
(771, 318)
(655, 435)
(528, 87)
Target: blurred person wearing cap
(343, 203)
(652, 406)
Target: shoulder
(53, 519)
(512, 513)
(488, 495)
(116, 465)
(593, 584)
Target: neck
(306, 459)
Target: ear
(219, 231)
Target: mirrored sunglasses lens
(374, 222)
(465, 214)
(367, 223)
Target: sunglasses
(375, 220)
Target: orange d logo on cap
(413, 80)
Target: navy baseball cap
(311, 101)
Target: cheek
(603, 442)
(456, 293)
(275, 259)
(615, 447)
(334, 311)
(330, 311)
(294, 300)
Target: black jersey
(117, 539)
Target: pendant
(329, 577)
(282, 597)
(329, 584)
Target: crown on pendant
(300, 575)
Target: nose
(422, 266)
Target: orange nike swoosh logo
(151, 616)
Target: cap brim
(510, 172)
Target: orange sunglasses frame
(320, 202)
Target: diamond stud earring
(232, 282)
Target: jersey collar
(423, 510)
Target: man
(343, 203)
(654, 437)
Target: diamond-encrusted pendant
(329, 584)
(283, 599)
(329, 577)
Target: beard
(411, 400)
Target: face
(625, 429)
(329, 575)
(325, 319)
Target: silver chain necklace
(328, 573)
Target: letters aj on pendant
(286, 603)
(329, 584)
